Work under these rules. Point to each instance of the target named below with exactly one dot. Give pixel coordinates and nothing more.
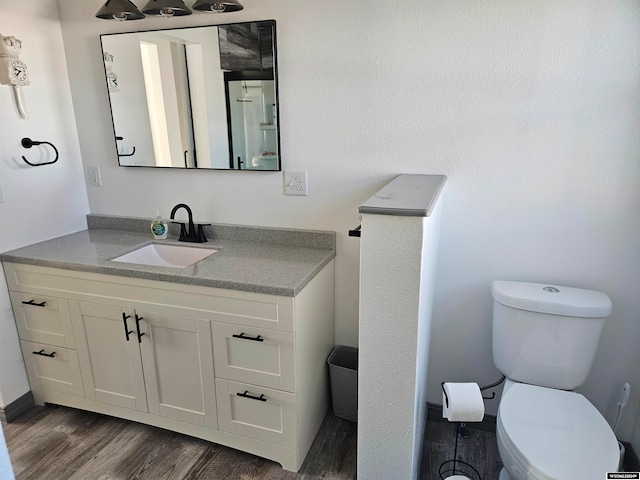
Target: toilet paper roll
(462, 402)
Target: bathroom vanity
(231, 349)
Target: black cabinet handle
(246, 394)
(254, 339)
(41, 352)
(34, 304)
(138, 328)
(127, 332)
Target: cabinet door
(109, 354)
(177, 360)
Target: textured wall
(398, 271)
(392, 249)
(532, 110)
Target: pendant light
(119, 10)
(217, 6)
(166, 8)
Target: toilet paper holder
(457, 468)
(486, 387)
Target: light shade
(222, 6)
(166, 8)
(119, 10)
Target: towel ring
(28, 143)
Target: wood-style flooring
(480, 451)
(59, 443)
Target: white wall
(43, 202)
(532, 110)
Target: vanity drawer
(257, 412)
(43, 319)
(52, 367)
(253, 355)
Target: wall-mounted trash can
(343, 375)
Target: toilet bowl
(550, 434)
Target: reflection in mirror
(198, 97)
(251, 112)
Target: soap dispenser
(159, 227)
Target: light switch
(94, 175)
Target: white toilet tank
(546, 335)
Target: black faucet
(190, 235)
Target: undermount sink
(165, 255)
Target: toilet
(544, 342)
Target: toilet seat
(555, 434)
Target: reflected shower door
(252, 126)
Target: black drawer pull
(140, 334)
(254, 339)
(41, 352)
(34, 304)
(246, 394)
(127, 332)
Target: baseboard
(631, 462)
(17, 407)
(434, 412)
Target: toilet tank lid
(553, 299)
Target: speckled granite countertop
(252, 259)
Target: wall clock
(13, 71)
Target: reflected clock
(112, 81)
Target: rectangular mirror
(197, 97)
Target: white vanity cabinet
(242, 369)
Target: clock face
(19, 71)
(112, 80)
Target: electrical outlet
(94, 175)
(296, 182)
